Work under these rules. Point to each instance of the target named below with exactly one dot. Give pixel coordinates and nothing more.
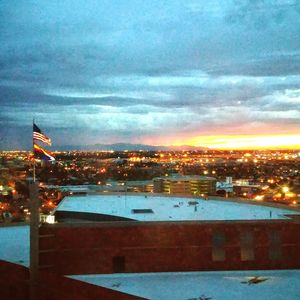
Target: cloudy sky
(210, 73)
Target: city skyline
(222, 75)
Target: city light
(285, 189)
(238, 173)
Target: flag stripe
(38, 135)
(41, 153)
(42, 138)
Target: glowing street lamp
(285, 189)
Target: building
(248, 191)
(163, 252)
(185, 185)
(153, 208)
(225, 187)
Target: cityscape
(261, 175)
(149, 150)
(99, 193)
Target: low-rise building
(187, 185)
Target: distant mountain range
(127, 146)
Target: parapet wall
(169, 246)
(14, 285)
(13, 281)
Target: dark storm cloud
(118, 70)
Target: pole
(125, 183)
(33, 169)
(34, 240)
(33, 152)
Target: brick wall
(14, 285)
(13, 281)
(169, 246)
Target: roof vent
(142, 211)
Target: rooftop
(163, 208)
(14, 244)
(225, 285)
(185, 178)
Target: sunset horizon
(248, 142)
(209, 142)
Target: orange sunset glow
(247, 141)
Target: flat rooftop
(185, 178)
(14, 244)
(225, 285)
(163, 208)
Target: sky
(218, 73)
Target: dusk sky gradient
(152, 72)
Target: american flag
(39, 136)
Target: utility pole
(34, 240)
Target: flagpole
(33, 154)
(41, 153)
(34, 234)
(33, 169)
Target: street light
(285, 189)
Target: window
(118, 264)
(274, 245)
(246, 244)
(218, 243)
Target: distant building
(187, 185)
(296, 186)
(139, 186)
(227, 187)
(248, 191)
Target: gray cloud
(123, 70)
